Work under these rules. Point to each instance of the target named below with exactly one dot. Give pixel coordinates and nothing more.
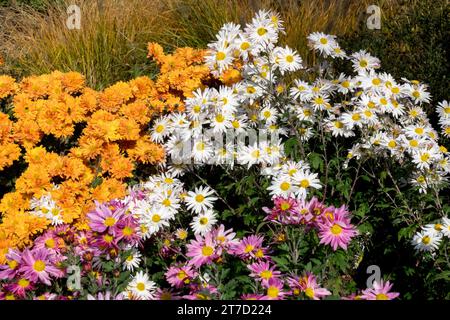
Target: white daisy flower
(141, 287)
(282, 186)
(204, 222)
(132, 261)
(363, 61)
(269, 115)
(200, 200)
(249, 155)
(322, 42)
(305, 180)
(418, 93)
(446, 227)
(154, 218)
(160, 129)
(287, 59)
(301, 90)
(426, 241)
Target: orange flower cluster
(84, 141)
(181, 73)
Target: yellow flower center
(266, 274)
(207, 251)
(108, 238)
(356, 116)
(245, 45)
(382, 296)
(220, 118)
(392, 144)
(203, 221)
(12, 264)
(181, 275)
(249, 248)
(50, 243)
(251, 90)
(285, 186)
(363, 63)
(140, 286)
(426, 240)
(200, 146)
(261, 31)
(416, 94)
(414, 143)
(199, 198)
(304, 183)
(127, 231)
(156, 218)
(319, 100)
(197, 109)
(376, 82)
(109, 222)
(336, 229)
(23, 283)
(323, 40)
(289, 58)
(273, 291)
(346, 84)
(259, 253)
(424, 157)
(159, 128)
(220, 56)
(39, 265)
(285, 206)
(309, 292)
(255, 154)
(166, 202)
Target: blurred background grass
(111, 44)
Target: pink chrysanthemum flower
(263, 271)
(38, 264)
(105, 296)
(380, 291)
(46, 296)
(316, 207)
(201, 292)
(224, 238)
(105, 217)
(166, 294)
(337, 231)
(202, 250)
(249, 247)
(105, 241)
(50, 241)
(253, 296)
(308, 285)
(283, 210)
(9, 270)
(180, 276)
(274, 289)
(353, 296)
(128, 230)
(20, 287)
